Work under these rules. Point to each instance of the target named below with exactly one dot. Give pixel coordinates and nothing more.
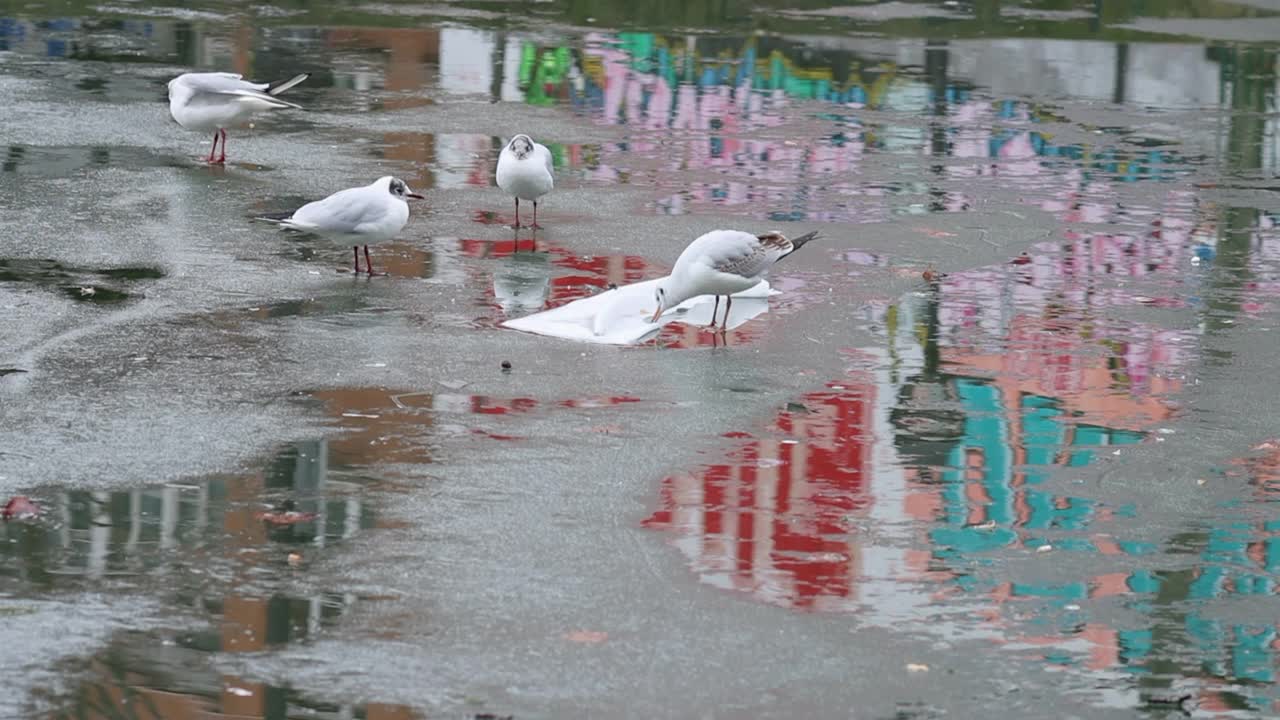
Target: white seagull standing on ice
(213, 102)
(524, 172)
(373, 213)
(723, 262)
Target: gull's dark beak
(415, 196)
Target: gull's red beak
(656, 314)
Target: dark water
(960, 478)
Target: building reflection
(135, 677)
(698, 100)
(152, 533)
(127, 533)
(915, 475)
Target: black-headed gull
(364, 215)
(524, 172)
(723, 262)
(213, 102)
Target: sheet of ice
(621, 316)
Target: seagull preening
(723, 262)
(213, 102)
(364, 215)
(524, 172)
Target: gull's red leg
(222, 159)
(368, 264)
(213, 149)
(355, 252)
(728, 303)
(713, 311)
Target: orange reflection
(383, 426)
(1042, 358)
(410, 52)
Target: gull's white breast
(527, 179)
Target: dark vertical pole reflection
(185, 42)
(932, 351)
(499, 66)
(13, 156)
(1122, 71)
(987, 13)
(936, 57)
(1249, 79)
(1165, 662)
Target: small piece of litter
(295, 559)
(20, 507)
(242, 692)
(506, 364)
(88, 291)
(1072, 606)
(1201, 481)
(375, 365)
(988, 525)
(917, 667)
(587, 636)
(1044, 548)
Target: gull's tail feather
(278, 87)
(797, 243)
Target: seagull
(373, 213)
(524, 172)
(723, 262)
(214, 101)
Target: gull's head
(661, 298)
(521, 145)
(398, 188)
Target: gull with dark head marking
(525, 173)
(213, 102)
(723, 262)
(364, 215)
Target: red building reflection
(775, 520)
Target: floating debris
(20, 507)
(590, 637)
(285, 514)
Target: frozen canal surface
(1044, 485)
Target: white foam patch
(621, 316)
